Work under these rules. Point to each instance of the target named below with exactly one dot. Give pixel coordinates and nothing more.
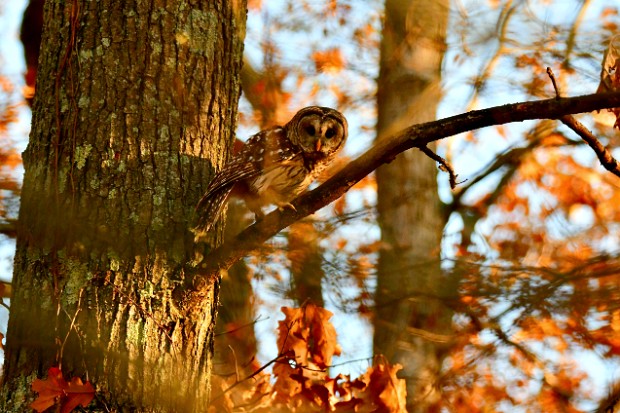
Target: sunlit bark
(130, 98)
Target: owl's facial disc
(319, 131)
(330, 136)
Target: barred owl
(275, 165)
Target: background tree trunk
(235, 341)
(410, 217)
(129, 97)
(306, 256)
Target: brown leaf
(78, 394)
(308, 332)
(390, 391)
(55, 390)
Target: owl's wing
(211, 204)
(232, 173)
(262, 153)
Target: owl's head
(318, 131)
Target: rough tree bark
(409, 212)
(130, 96)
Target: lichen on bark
(135, 109)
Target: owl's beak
(318, 145)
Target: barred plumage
(275, 165)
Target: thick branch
(416, 136)
(8, 229)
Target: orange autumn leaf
(331, 60)
(308, 332)
(377, 390)
(307, 341)
(55, 390)
(255, 4)
(390, 392)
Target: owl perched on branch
(275, 165)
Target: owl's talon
(288, 205)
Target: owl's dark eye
(330, 133)
(310, 130)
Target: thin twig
(250, 324)
(555, 85)
(78, 308)
(502, 27)
(281, 355)
(444, 165)
(574, 28)
(603, 154)
(251, 375)
(232, 350)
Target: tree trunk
(306, 256)
(130, 97)
(235, 341)
(409, 210)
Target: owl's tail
(209, 209)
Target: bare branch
(511, 158)
(509, 162)
(443, 165)
(282, 355)
(502, 26)
(8, 229)
(603, 154)
(555, 85)
(416, 136)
